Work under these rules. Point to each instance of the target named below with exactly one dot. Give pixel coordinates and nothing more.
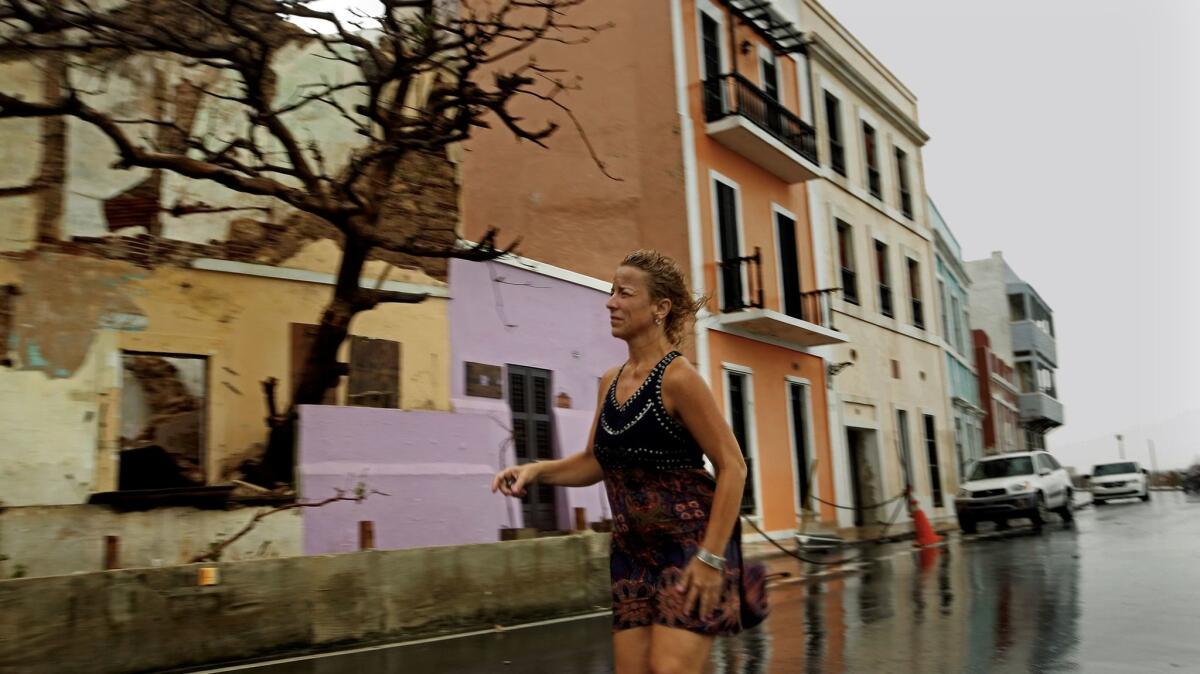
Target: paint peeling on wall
(63, 302)
(86, 208)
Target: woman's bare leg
(631, 651)
(676, 651)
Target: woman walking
(678, 579)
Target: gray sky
(1065, 135)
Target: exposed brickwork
(425, 202)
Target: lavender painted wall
(501, 315)
(436, 468)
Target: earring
(658, 321)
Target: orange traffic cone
(924, 531)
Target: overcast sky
(1064, 134)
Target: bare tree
(421, 75)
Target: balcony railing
(885, 300)
(817, 307)
(736, 274)
(732, 94)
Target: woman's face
(631, 309)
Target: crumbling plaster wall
(61, 434)
(99, 268)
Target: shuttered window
(529, 399)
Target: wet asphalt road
(1120, 592)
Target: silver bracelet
(710, 559)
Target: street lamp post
(1121, 445)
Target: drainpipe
(691, 184)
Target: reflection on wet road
(1119, 593)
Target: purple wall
(435, 467)
(502, 315)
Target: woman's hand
(702, 583)
(513, 480)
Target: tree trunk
(322, 370)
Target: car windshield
(1115, 469)
(1018, 465)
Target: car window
(1115, 469)
(1042, 464)
(1017, 465)
(1051, 461)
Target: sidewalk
(853, 536)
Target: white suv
(1122, 479)
(1014, 486)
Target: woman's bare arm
(580, 469)
(689, 399)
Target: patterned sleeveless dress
(661, 496)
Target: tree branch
(215, 550)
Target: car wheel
(1097, 501)
(1146, 496)
(1067, 511)
(968, 525)
(1041, 515)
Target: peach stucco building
(707, 117)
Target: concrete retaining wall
(138, 620)
(55, 540)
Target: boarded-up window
(302, 339)
(374, 373)
(164, 401)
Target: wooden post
(366, 535)
(581, 519)
(112, 553)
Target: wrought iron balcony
(817, 307)
(748, 121)
(739, 275)
(810, 322)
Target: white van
(1121, 479)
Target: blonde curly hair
(666, 282)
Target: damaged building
(135, 339)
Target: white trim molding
(531, 265)
(306, 276)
